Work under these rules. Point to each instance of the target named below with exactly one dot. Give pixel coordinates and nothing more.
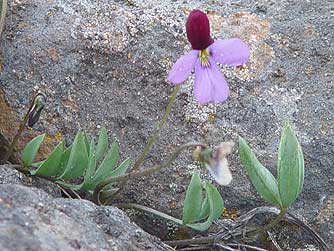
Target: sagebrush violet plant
(210, 84)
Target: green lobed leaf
(37, 164)
(193, 201)
(78, 159)
(31, 149)
(205, 209)
(216, 202)
(86, 138)
(102, 144)
(121, 169)
(264, 182)
(91, 148)
(91, 183)
(64, 160)
(50, 167)
(108, 164)
(91, 167)
(202, 226)
(216, 206)
(88, 183)
(75, 187)
(91, 161)
(290, 167)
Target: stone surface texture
(9, 175)
(104, 63)
(30, 219)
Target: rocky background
(105, 63)
(39, 219)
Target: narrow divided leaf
(193, 201)
(88, 178)
(86, 139)
(37, 164)
(64, 160)
(108, 164)
(78, 159)
(110, 189)
(50, 167)
(290, 167)
(264, 182)
(91, 148)
(102, 144)
(121, 169)
(205, 209)
(75, 187)
(31, 149)
(215, 200)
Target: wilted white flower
(216, 162)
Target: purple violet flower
(210, 84)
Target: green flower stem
(18, 134)
(148, 210)
(153, 137)
(146, 172)
(158, 129)
(3, 14)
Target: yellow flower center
(204, 57)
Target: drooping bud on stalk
(36, 110)
(198, 30)
(31, 118)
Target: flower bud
(35, 111)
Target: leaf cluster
(82, 159)
(284, 190)
(197, 209)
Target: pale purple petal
(210, 84)
(231, 52)
(220, 172)
(183, 67)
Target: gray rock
(9, 175)
(105, 64)
(32, 220)
(3, 145)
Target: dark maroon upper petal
(198, 30)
